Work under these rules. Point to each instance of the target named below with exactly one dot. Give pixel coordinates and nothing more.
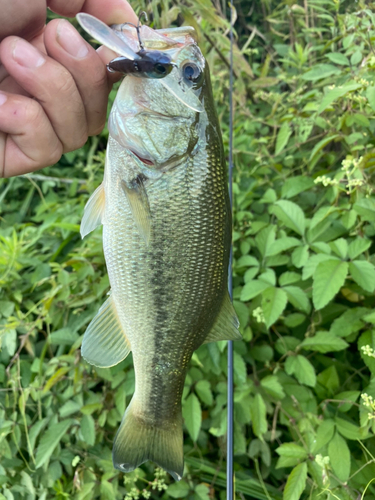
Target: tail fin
(137, 441)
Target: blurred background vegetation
(304, 279)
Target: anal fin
(226, 324)
(105, 343)
(94, 211)
(136, 195)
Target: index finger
(108, 11)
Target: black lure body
(151, 64)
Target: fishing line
(230, 477)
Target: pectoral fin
(136, 195)
(105, 343)
(94, 211)
(226, 324)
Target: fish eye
(160, 68)
(191, 72)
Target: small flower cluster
(258, 315)
(368, 351)
(326, 181)
(159, 482)
(133, 494)
(368, 402)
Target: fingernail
(3, 98)
(70, 40)
(27, 55)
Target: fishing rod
(230, 476)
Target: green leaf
(340, 247)
(265, 238)
(252, 289)
(282, 244)
(335, 94)
(296, 482)
(325, 433)
(290, 214)
(367, 338)
(49, 441)
(324, 342)
(366, 209)
(296, 185)
(202, 492)
(338, 58)
(289, 277)
(370, 94)
(363, 273)
(258, 416)
(313, 262)
(320, 71)
(302, 369)
(357, 247)
(329, 379)
(247, 261)
(193, 416)
(350, 396)
(203, 389)
(240, 372)
(178, 490)
(329, 277)
(282, 137)
(339, 456)
(350, 430)
(300, 256)
(290, 454)
(274, 301)
(349, 322)
(298, 298)
(272, 386)
(322, 144)
(88, 429)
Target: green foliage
(304, 280)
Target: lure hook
(138, 27)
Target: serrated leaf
(296, 185)
(313, 262)
(290, 455)
(258, 416)
(320, 71)
(335, 94)
(357, 247)
(350, 430)
(289, 277)
(252, 289)
(282, 244)
(203, 389)
(298, 298)
(282, 137)
(49, 441)
(192, 413)
(329, 277)
(324, 342)
(296, 482)
(300, 256)
(338, 58)
(240, 372)
(290, 214)
(350, 396)
(370, 94)
(325, 433)
(340, 247)
(363, 273)
(178, 490)
(339, 457)
(366, 209)
(88, 429)
(247, 261)
(274, 301)
(302, 369)
(265, 238)
(350, 321)
(273, 387)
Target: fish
(165, 210)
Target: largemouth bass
(166, 219)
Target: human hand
(54, 87)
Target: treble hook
(138, 27)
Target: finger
(31, 142)
(24, 19)
(110, 11)
(52, 85)
(65, 45)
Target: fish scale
(166, 238)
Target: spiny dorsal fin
(226, 324)
(105, 343)
(136, 195)
(94, 210)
